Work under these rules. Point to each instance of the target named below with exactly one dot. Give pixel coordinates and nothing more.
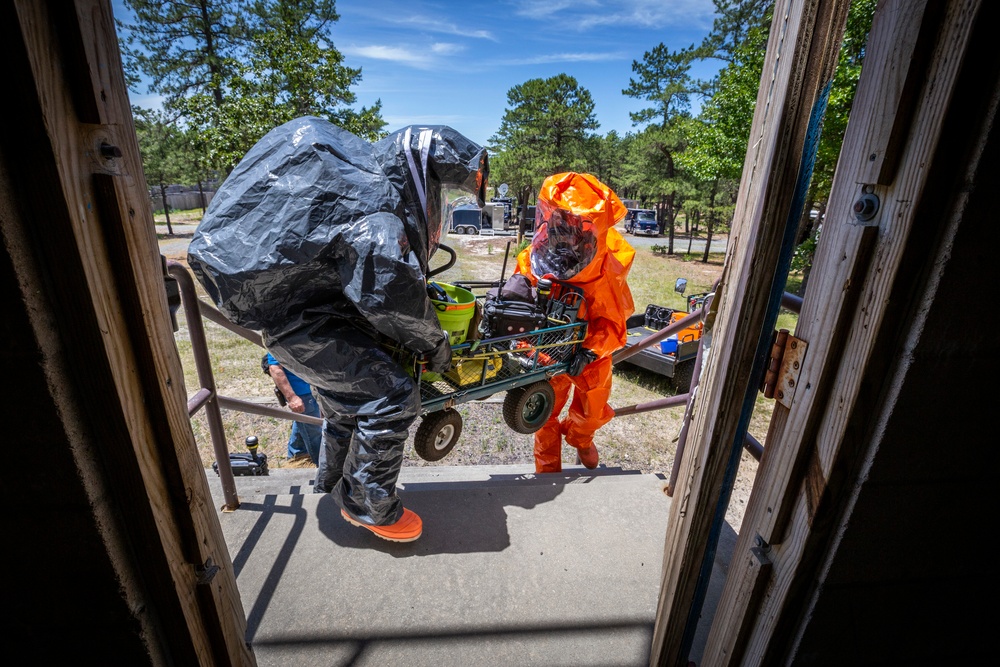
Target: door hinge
(783, 368)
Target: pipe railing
(752, 445)
(207, 397)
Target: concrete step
(283, 481)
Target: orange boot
(407, 529)
(588, 456)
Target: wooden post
(914, 54)
(801, 56)
(90, 280)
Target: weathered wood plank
(842, 316)
(895, 61)
(109, 228)
(801, 56)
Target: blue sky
(451, 62)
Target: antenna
(503, 270)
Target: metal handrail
(756, 449)
(207, 397)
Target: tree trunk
(708, 241)
(166, 208)
(670, 229)
(201, 196)
(523, 223)
(711, 221)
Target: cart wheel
(526, 409)
(437, 434)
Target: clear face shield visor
(441, 187)
(564, 242)
(441, 208)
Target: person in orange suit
(577, 247)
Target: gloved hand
(580, 360)
(438, 360)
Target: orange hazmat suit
(575, 243)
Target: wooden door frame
(79, 230)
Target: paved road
(174, 246)
(182, 236)
(680, 242)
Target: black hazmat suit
(321, 241)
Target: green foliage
(606, 158)
(733, 23)
(663, 81)
(544, 131)
(721, 133)
(297, 74)
(803, 254)
(231, 71)
(161, 147)
(184, 47)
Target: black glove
(579, 361)
(438, 360)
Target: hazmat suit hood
(573, 217)
(434, 168)
(576, 243)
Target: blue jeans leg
(305, 438)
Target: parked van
(641, 221)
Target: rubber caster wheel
(526, 409)
(437, 434)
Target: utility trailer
(673, 357)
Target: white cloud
(567, 58)
(429, 24)
(394, 54)
(583, 15)
(446, 49)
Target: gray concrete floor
(513, 568)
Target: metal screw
(781, 395)
(866, 207)
(108, 151)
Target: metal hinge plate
(783, 368)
